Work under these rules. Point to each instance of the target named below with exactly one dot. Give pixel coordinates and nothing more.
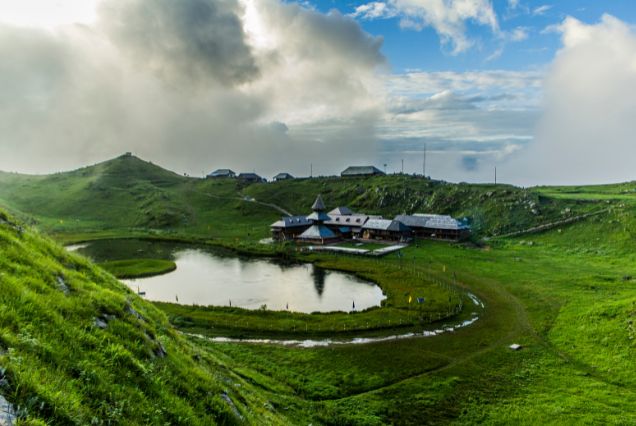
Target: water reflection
(213, 277)
(319, 275)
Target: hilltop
(127, 194)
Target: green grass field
(138, 268)
(567, 295)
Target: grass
(127, 196)
(567, 295)
(139, 268)
(77, 347)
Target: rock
(100, 323)
(160, 351)
(8, 415)
(61, 285)
(229, 401)
(134, 313)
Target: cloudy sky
(543, 91)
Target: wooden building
(361, 171)
(289, 227)
(283, 176)
(250, 178)
(386, 230)
(318, 233)
(434, 226)
(221, 173)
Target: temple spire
(319, 205)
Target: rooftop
(361, 171)
(291, 222)
(340, 211)
(432, 221)
(386, 225)
(317, 232)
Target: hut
(386, 229)
(361, 171)
(250, 178)
(221, 173)
(345, 222)
(318, 233)
(289, 227)
(282, 176)
(435, 226)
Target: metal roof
(340, 211)
(431, 221)
(354, 220)
(385, 225)
(283, 176)
(319, 205)
(318, 216)
(291, 222)
(317, 232)
(361, 171)
(249, 176)
(221, 172)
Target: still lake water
(206, 276)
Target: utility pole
(495, 175)
(402, 166)
(424, 161)
(311, 170)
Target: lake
(209, 276)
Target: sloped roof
(431, 221)
(341, 211)
(318, 216)
(291, 222)
(221, 172)
(249, 176)
(317, 232)
(283, 176)
(386, 225)
(361, 171)
(354, 220)
(319, 205)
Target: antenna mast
(424, 161)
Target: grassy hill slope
(128, 194)
(77, 347)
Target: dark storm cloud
(182, 39)
(182, 83)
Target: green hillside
(77, 347)
(129, 195)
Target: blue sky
(409, 49)
(543, 90)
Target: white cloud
(192, 84)
(586, 133)
(468, 120)
(375, 10)
(447, 17)
(519, 34)
(541, 10)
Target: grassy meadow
(567, 295)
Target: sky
(543, 91)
